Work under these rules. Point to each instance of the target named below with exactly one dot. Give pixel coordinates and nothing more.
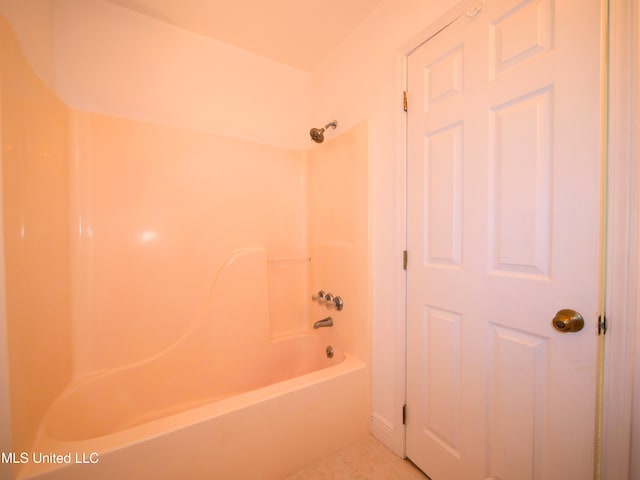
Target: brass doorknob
(568, 321)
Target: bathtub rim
(139, 434)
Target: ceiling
(299, 33)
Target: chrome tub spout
(325, 322)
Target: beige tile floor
(366, 460)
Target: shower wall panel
(159, 211)
(35, 186)
(339, 234)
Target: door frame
(620, 268)
(622, 273)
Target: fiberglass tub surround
(189, 336)
(187, 331)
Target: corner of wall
(5, 408)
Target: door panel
(503, 225)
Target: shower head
(317, 134)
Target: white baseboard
(383, 430)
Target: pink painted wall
(108, 59)
(35, 186)
(114, 61)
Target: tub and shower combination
(242, 388)
(160, 324)
(260, 408)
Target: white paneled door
(504, 213)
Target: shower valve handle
(319, 297)
(334, 302)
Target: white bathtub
(268, 433)
(225, 401)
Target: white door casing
(503, 230)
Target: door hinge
(602, 324)
(404, 101)
(404, 414)
(405, 256)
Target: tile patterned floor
(366, 460)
